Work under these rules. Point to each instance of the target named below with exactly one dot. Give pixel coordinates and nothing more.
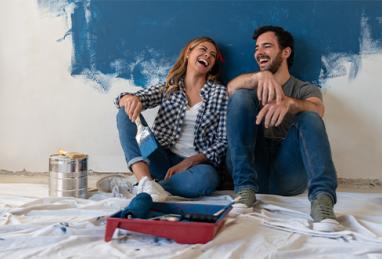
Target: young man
(277, 142)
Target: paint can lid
(62, 154)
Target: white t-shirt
(185, 145)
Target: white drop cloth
(35, 226)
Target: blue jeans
(283, 167)
(196, 181)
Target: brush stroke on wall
(139, 40)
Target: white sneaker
(245, 201)
(328, 225)
(118, 185)
(239, 209)
(153, 188)
(323, 215)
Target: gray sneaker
(323, 215)
(119, 185)
(244, 204)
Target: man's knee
(309, 116)
(310, 120)
(244, 99)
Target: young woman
(190, 126)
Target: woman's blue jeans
(286, 167)
(196, 181)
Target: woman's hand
(180, 167)
(133, 106)
(185, 164)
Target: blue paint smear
(122, 31)
(62, 226)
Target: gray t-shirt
(297, 89)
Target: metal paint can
(68, 177)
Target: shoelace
(245, 196)
(323, 209)
(119, 186)
(116, 193)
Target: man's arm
(267, 87)
(248, 81)
(313, 104)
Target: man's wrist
(293, 105)
(254, 79)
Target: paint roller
(139, 207)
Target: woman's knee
(208, 176)
(123, 121)
(200, 180)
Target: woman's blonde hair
(180, 67)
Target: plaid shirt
(210, 127)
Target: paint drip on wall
(343, 64)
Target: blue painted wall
(109, 35)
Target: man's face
(268, 53)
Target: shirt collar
(204, 91)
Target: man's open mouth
(263, 59)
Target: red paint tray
(185, 232)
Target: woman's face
(202, 57)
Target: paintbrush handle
(138, 121)
(226, 207)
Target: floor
(344, 185)
(34, 225)
(43, 178)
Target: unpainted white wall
(354, 120)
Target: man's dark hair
(284, 38)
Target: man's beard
(275, 65)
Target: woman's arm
(215, 152)
(149, 97)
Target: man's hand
(180, 167)
(132, 105)
(268, 89)
(273, 113)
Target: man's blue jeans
(196, 181)
(286, 167)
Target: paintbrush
(219, 212)
(145, 138)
